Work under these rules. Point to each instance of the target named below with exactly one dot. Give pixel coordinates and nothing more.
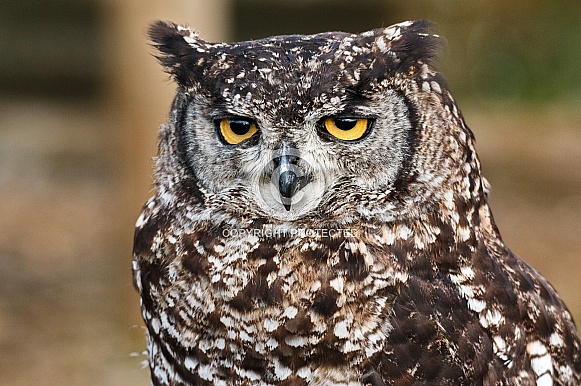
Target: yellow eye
(234, 131)
(346, 129)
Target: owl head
(335, 124)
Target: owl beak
(288, 181)
(290, 177)
(288, 185)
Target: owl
(320, 218)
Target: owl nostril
(287, 154)
(289, 159)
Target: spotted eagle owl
(320, 218)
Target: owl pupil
(240, 127)
(345, 123)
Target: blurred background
(81, 99)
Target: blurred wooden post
(142, 91)
(140, 95)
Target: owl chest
(256, 309)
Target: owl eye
(347, 129)
(236, 130)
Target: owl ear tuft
(408, 44)
(418, 43)
(180, 51)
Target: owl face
(287, 167)
(281, 127)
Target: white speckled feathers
(390, 271)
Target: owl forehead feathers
(325, 68)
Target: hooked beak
(291, 178)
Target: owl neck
(448, 229)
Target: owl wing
(495, 321)
(434, 336)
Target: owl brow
(220, 107)
(355, 96)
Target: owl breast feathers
(320, 218)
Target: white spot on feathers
(191, 363)
(380, 43)
(296, 341)
(337, 284)
(476, 305)
(542, 365)
(281, 371)
(435, 87)
(536, 348)
(304, 372)
(270, 325)
(545, 380)
(340, 330)
(556, 340)
(206, 372)
(290, 312)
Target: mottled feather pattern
(395, 274)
